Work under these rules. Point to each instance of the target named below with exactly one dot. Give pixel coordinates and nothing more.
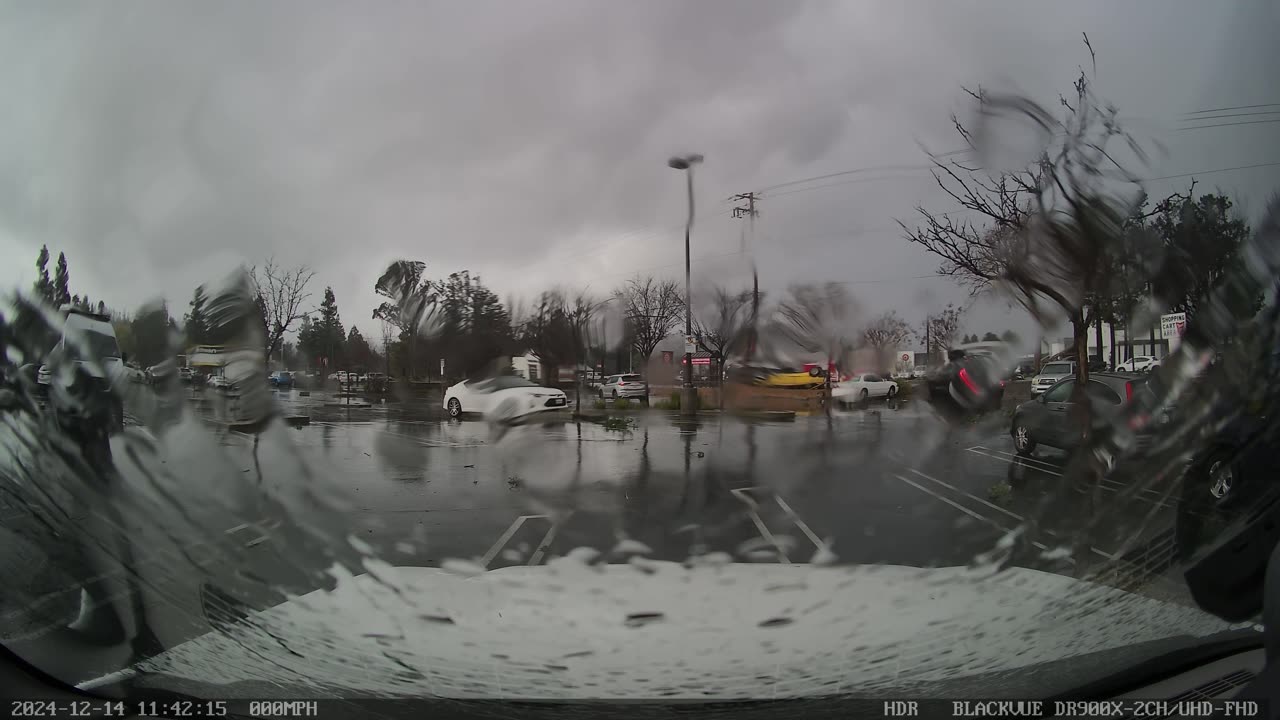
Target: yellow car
(789, 379)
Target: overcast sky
(162, 143)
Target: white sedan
(502, 398)
(1138, 363)
(863, 387)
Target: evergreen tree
(61, 279)
(196, 321)
(43, 288)
(332, 335)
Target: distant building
(528, 366)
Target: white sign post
(690, 344)
(1172, 327)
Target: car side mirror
(124, 358)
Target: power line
(1210, 172)
(893, 279)
(1232, 115)
(854, 171)
(1230, 124)
(1237, 107)
(842, 182)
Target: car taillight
(1128, 391)
(968, 382)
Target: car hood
(646, 629)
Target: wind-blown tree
(1047, 232)
(281, 293)
(820, 319)
(886, 334)
(652, 310)
(411, 305)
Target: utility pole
(749, 211)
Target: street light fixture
(688, 398)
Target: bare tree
(652, 309)
(1046, 232)
(886, 334)
(281, 293)
(941, 328)
(579, 313)
(388, 334)
(722, 325)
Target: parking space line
(975, 498)
(971, 513)
(804, 527)
(977, 515)
(753, 512)
(1104, 483)
(547, 539)
(504, 538)
(1037, 463)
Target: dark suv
(1048, 420)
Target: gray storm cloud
(163, 142)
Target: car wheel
(615, 394)
(893, 390)
(1220, 478)
(1022, 441)
(863, 396)
(455, 407)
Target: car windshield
(978, 212)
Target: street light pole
(688, 398)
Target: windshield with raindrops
(364, 371)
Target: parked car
(1138, 363)
(376, 381)
(1050, 374)
(972, 381)
(787, 377)
(1047, 420)
(863, 387)
(281, 379)
(219, 382)
(628, 385)
(186, 375)
(506, 397)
